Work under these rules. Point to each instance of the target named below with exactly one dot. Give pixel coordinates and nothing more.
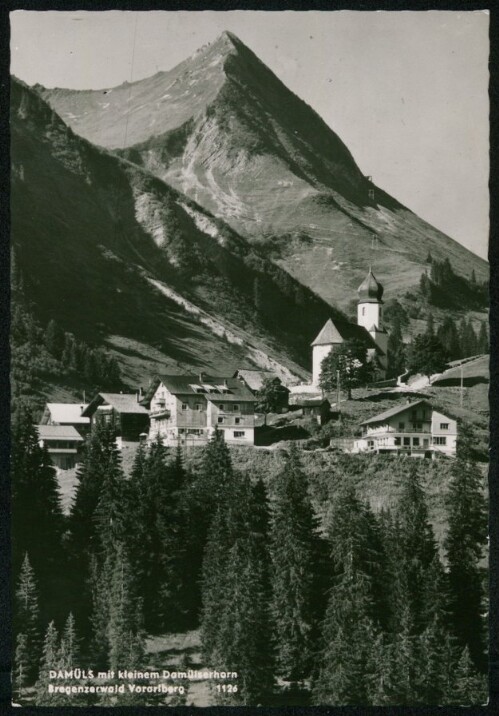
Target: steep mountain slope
(121, 259)
(222, 128)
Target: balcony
(159, 411)
(425, 430)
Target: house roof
(395, 411)
(67, 412)
(209, 386)
(300, 402)
(121, 402)
(58, 432)
(254, 379)
(340, 331)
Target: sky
(406, 91)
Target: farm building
(124, 410)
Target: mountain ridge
(232, 137)
(121, 259)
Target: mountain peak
(228, 41)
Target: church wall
(318, 355)
(369, 314)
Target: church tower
(370, 314)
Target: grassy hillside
(120, 259)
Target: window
(414, 416)
(417, 426)
(401, 426)
(237, 421)
(194, 431)
(239, 433)
(444, 426)
(235, 408)
(407, 441)
(415, 442)
(220, 419)
(185, 406)
(440, 441)
(397, 441)
(363, 310)
(221, 406)
(198, 406)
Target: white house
(63, 443)
(415, 429)
(187, 409)
(369, 330)
(66, 414)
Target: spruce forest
(337, 606)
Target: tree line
(44, 353)
(351, 607)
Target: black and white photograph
(249, 350)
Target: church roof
(370, 289)
(329, 334)
(339, 331)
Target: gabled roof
(207, 386)
(395, 411)
(339, 331)
(122, 402)
(254, 379)
(58, 432)
(67, 412)
(303, 402)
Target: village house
(369, 330)
(66, 414)
(315, 407)
(187, 409)
(63, 443)
(414, 429)
(124, 411)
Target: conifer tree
(483, 339)
(54, 340)
(50, 660)
(27, 621)
(448, 336)
(427, 355)
(101, 457)
(125, 638)
(236, 626)
(37, 521)
(293, 569)
(416, 549)
(396, 350)
(70, 649)
(471, 686)
(21, 666)
(464, 544)
(355, 541)
(347, 666)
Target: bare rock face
(223, 129)
(123, 260)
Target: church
(368, 329)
